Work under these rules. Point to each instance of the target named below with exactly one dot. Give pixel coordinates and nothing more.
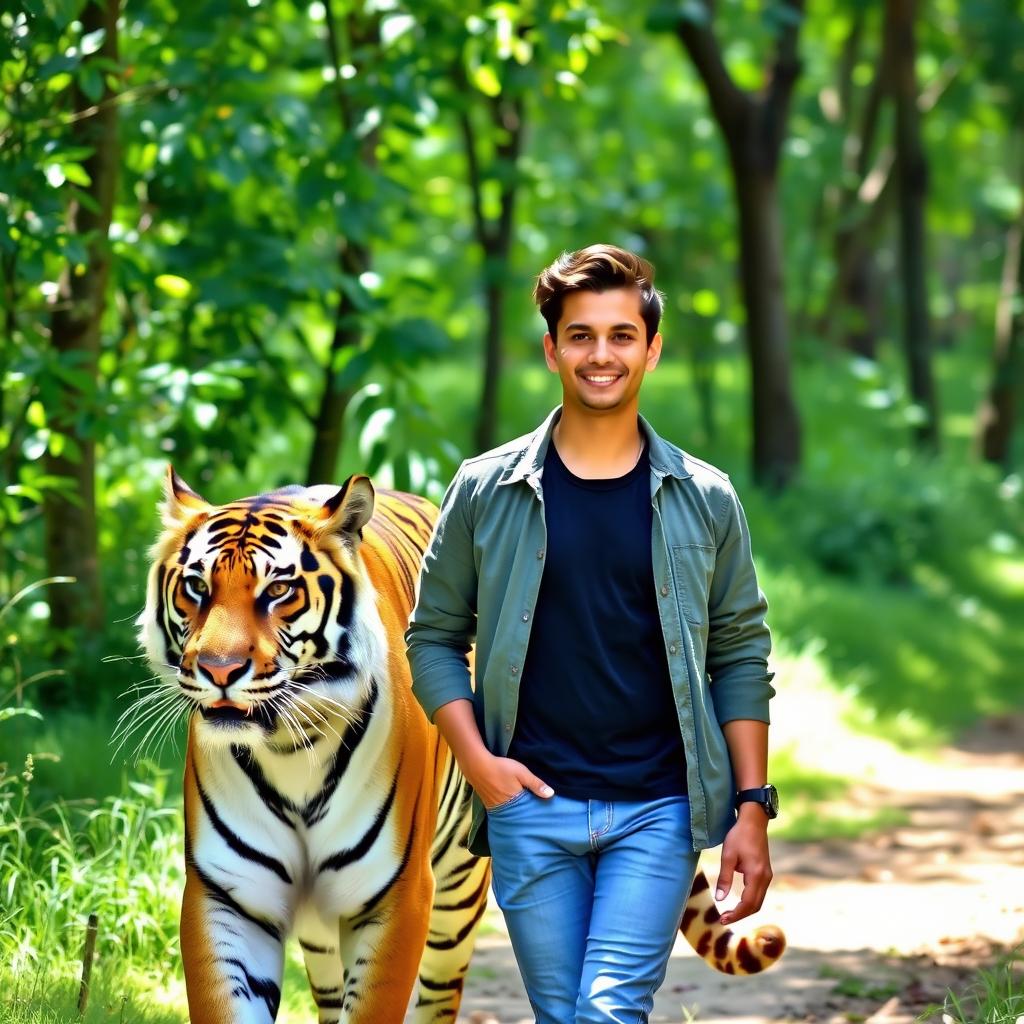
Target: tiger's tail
(719, 946)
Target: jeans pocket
(510, 802)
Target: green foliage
(22, 630)
(884, 525)
(46, 997)
(816, 808)
(61, 861)
(995, 996)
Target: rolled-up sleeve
(739, 641)
(443, 623)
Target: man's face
(601, 352)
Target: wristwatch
(766, 796)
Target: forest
(271, 242)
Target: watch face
(772, 801)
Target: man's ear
(349, 509)
(549, 352)
(654, 351)
(180, 502)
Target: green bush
(881, 523)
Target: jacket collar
(528, 463)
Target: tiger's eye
(278, 589)
(198, 586)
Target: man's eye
(278, 589)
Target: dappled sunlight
(921, 665)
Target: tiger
(318, 799)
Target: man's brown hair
(597, 268)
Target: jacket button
(672, 649)
(508, 728)
(515, 670)
(664, 590)
(540, 553)
(526, 616)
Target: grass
(995, 996)
(62, 860)
(43, 997)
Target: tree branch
(483, 234)
(728, 101)
(509, 115)
(121, 99)
(335, 46)
(785, 71)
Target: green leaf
(666, 16)
(171, 284)
(90, 81)
(92, 41)
(485, 78)
(59, 64)
(35, 415)
(409, 342)
(6, 713)
(76, 174)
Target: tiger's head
(263, 610)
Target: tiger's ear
(349, 509)
(180, 502)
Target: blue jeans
(592, 892)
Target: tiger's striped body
(318, 799)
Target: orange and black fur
(318, 798)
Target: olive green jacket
(482, 572)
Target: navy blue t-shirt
(597, 717)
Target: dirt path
(878, 928)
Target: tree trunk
(494, 296)
(70, 524)
(355, 35)
(754, 129)
(328, 436)
(998, 413)
(853, 310)
(912, 186)
(857, 289)
(776, 422)
(496, 244)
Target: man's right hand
(497, 780)
(494, 779)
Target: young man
(619, 718)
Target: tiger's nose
(223, 671)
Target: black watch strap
(766, 796)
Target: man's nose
(223, 671)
